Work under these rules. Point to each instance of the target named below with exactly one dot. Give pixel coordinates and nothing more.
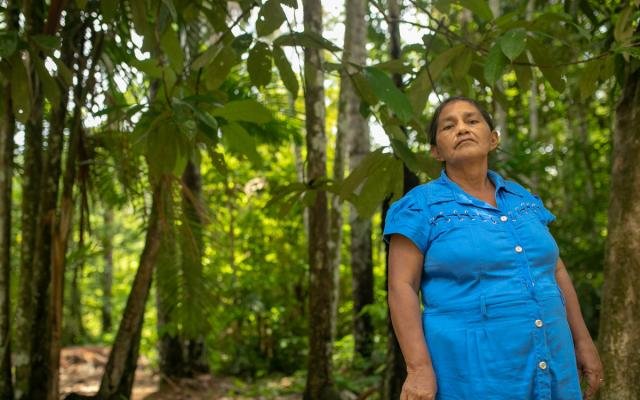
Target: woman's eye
(446, 127)
(474, 121)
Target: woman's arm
(587, 357)
(405, 269)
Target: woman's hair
(433, 127)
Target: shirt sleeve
(407, 217)
(546, 216)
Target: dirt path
(81, 369)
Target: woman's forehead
(458, 107)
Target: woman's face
(462, 134)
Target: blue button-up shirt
(494, 317)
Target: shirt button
(518, 249)
(538, 323)
(542, 365)
(504, 218)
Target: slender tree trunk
(117, 380)
(107, 273)
(31, 191)
(499, 113)
(7, 130)
(192, 248)
(619, 334)
(395, 372)
(351, 121)
(319, 377)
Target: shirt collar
(461, 197)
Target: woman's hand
(420, 384)
(589, 366)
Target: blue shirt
(494, 318)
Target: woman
(500, 317)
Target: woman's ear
(435, 153)
(495, 139)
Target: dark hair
(433, 127)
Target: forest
(193, 191)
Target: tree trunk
(319, 377)
(7, 130)
(107, 273)
(395, 372)
(31, 191)
(117, 380)
(499, 113)
(351, 121)
(619, 334)
(194, 350)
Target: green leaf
(588, 82)
(8, 43)
(149, 66)
(243, 110)
(524, 76)
(418, 91)
(393, 66)
(220, 67)
(49, 85)
(46, 42)
(162, 146)
(357, 176)
(494, 64)
(242, 42)
(386, 90)
(171, 47)
(544, 61)
(479, 8)
(205, 58)
(20, 90)
(376, 187)
(259, 64)
(403, 151)
(239, 141)
(82, 4)
(443, 60)
(286, 72)
(270, 17)
(513, 43)
(139, 16)
(624, 27)
(108, 9)
(461, 64)
(364, 89)
(305, 39)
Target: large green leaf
(589, 78)
(109, 9)
(20, 89)
(46, 42)
(357, 176)
(479, 8)
(206, 58)
(513, 43)
(545, 61)
(363, 88)
(216, 72)
(238, 140)
(270, 17)
(286, 72)
(244, 110)
(385, 89)
(8, 43)
(305, 39)
(403, 151)
(443, 60)
(461, 64)
(259, 64)
(418, 91)
(162, 146)
(171, 47)
(494, 64)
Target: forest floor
(82, 368)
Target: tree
(319, 377)
(619, 334)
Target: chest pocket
(530, 221)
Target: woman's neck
(473, 179)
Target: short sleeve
(407, 217)
(546, 217)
